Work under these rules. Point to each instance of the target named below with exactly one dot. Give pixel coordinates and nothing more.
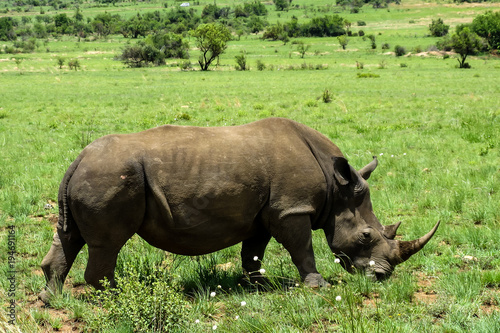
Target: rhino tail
(65, 217)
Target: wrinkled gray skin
(194, 190)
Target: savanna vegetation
(377, 78)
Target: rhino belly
(204, 235)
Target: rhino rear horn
(409, 248)
(367, 170)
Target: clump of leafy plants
(399, 50)
(141, 303)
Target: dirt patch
(431, 54)
(64, 317)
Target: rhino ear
(366, 171)
(342, 171)
(390, 230)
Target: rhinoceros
(195, 190)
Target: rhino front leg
(252, 254)
(57, 263)
(294, 232)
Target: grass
(433, 127)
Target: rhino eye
(365, 237)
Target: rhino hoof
(45, 297)
(255, 280)
(315, 280)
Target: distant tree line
(326, 26)
(248, 17)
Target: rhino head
(355, 235)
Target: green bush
(399, 51)
(327, 96)
(367, 75)
(154, 49)
(241, 62)
(488, 27)
(438, 28)
(260, 65)
(74, 64)
(141, 303)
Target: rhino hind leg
(101, 265)
(294, 233)
(252, 254)
(58, 261)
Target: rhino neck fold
(322, 216)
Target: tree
(7, 28)
(60, 62)
(302, 48)
(343, 41)
(212, 40)
(281, 5)
(488, 27)
(465, 43)
(438, 28)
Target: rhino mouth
(376, 270)
(378, 275)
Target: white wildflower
(381, 154)
(212, 294)
(237, 317)
(371, 263)
(219, 287)
(338, 298)
(255, 258)
(197, 321)
(243, 303)
(337, 260)
(262, 271)
(214, 327)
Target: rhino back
(219, 181)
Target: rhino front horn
(409, 248)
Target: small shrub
(445, 44)
(311, 103)
(361, 23)
(382, 64)
(60, 62)
(438, 28)
(359, 65)
(183, 116)
(403, 65)
(185, 65)
(386, 46)
(260, 65)
(241, 62)
(361, 33)
(327, 96)
(74, 64)
(371, 37)
(367, 75)
(143, 303)
(399, 50)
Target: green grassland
(434, 127)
